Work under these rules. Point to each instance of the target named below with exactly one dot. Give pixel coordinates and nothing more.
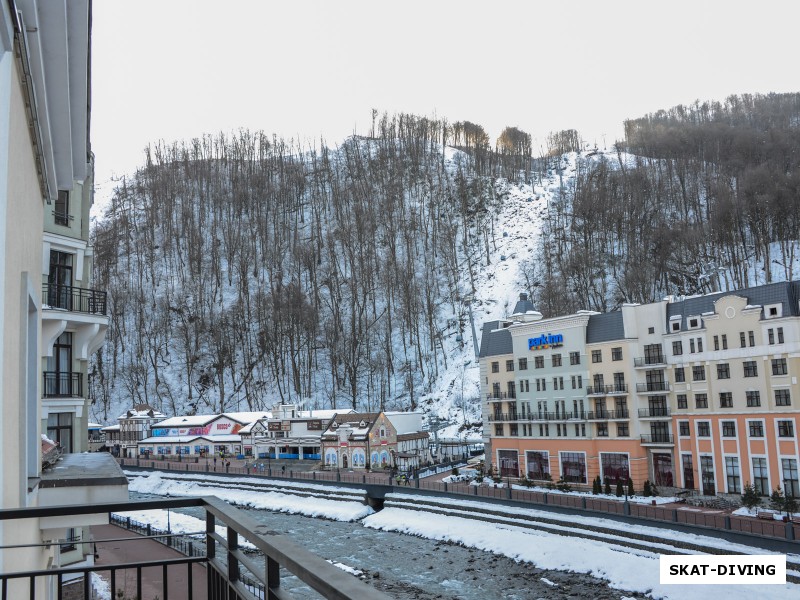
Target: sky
(311, 69)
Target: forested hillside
(245, 270)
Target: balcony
(62, 384)
(231, 572)
(650, 361)
(654, 412)
(652, 387)
(75, 299)
(502, 417)
(658, 439)
(496, 397)
(607, 390)
(608, 415)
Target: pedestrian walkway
(141, 549)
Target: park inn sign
(545, 341)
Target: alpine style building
(698, 393)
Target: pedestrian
(283, 469)
(228, 465)
(215, 463)
(405, 479)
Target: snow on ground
(266, 500)
(623, 568)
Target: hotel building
(698, 393)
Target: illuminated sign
(545, 341)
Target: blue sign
(545, 341)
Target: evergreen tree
(597, 487)
(750, 497)
(607, 489)
(630, 487)
(777, 500)
(647, 489)
(620, 492)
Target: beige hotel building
(696, 393)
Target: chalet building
(360, 441)
(290, 433)
(413, 444)
(697, 393)
(53, 317)
(133, 426)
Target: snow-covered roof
(142, 411)
(185, 439)
(111, 428)
(94, 426)
(325, 414)
(248, 417)
(190, 421)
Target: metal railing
(58, 383)
(232, 574)
(655, 411)
(647, 361)
(603, 390)
(607, 415)
(501, 396)
(653, 386)
(75, 299)
(657, 438)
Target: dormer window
(694, 323)
(362, 424)
(383, 432)
(676, 326)
(334, 425)
(773, 311)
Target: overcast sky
(175, 69)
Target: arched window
(359, 458)
(384, 458)
(331, 457)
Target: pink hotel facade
(697, 393)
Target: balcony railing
(607, 390)
(607, 415)
(501, 396)
(75, 299)
(57, 383)
(658, 438)
(649, 361)
(652, 386)
(499, 417)
(232, 574)
(654, 412)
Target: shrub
(597, 487)
(630, 487)
(750, 497)
(607, 488)
(619, 490)
(563, 485)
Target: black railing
(232, 575)
(606, 415)
(646, 361)
(657, 438)
(653, 386)
(501, 396)
(58, 383)
(602, 390)
(75, 299)
(654, 411)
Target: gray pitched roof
(605, 327)
(784, 292)
(523, 305)
(495, 339)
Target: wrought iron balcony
(658, 439)
(494, 397)
(654, 412)
(232, 574)
(65, 384)
(607, 390)
(650, 361)
(75, 299)
(607, 415)
(652, 387)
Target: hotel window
(699, 344)
(742, 340)
(782, 398)
(677, 348)
(498, 430)
(732, 473)
(622, 430)
(785, 428)
(59, 429)
(751, 338)
(790, 477)
(538, 362)
(495, 367)
(725, 400)
(753, 398)
(699, 373)
(750, 368)
(597, 356)
(574, 358)
(61, 212)
(683, 401)
(580, 430)
(779, 366)
(510, 365)
(716, 342)
(761, 476)
(573, 466)
(615, 466)
(683, 428)
(724, 342)
(556, 360)
(703, 429)
(602, 430)
(514, 430)
(680, 375)
(701, 400)
(616, 354)
(756, 429)
(538, 464)
(651, 330)
(691, 346)
(770, 336)
(723, 371)
(780, 335)
(688, 471)
(523, 364)
(729, 429)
